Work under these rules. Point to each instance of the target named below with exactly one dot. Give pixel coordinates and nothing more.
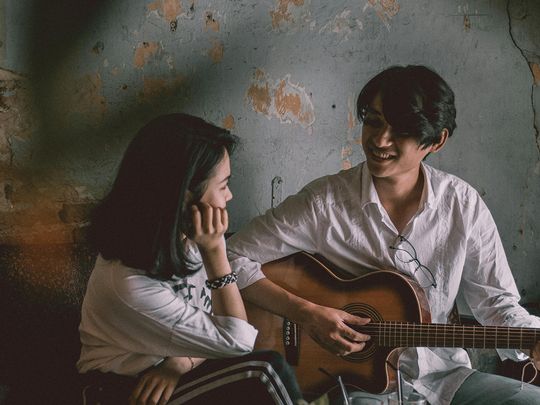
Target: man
(394, 211)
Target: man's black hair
(416, 102)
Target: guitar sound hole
(364, 311)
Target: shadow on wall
(67, 137)
(65, 122)
(63, 137)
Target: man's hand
(156, 386)
(330, 328)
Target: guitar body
(379, 295)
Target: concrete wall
(76, 83)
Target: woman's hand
(209, 226)
(157, 385)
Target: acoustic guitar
(399, 315)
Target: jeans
(489, 389)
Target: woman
(162, 298)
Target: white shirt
(131, 321)
(341, 217)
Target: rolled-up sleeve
(289, 228)
(167, 326)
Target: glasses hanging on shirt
(406, 253)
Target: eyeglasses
(406, 253)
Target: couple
(163, 317)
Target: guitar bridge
(291, 342)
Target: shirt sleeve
(488, 284)
(158, 322)
(289, 228)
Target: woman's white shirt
(130, 321)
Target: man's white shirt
(341, 218)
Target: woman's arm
(157, 384)
(210, 224)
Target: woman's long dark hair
(141, 219)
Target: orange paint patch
(145, 51)
(228, 122)
(285, 100)
(210, 23)
(259, 74)
(216, 52)
(385, 9)
(346, 164)
(260, 98)
(170, 10)
(282, 12)
(158, 87)
(293, 104)
(466, 22)
(346, 153)
(535, 68)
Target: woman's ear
(188, 198)
(439, 145)
(187, 215)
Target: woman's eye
(373, 122)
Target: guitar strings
(481, 336)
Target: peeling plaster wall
(75, 84)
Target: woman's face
(217, 189)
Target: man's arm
(327, 326)
(293, 226)
(488, 284)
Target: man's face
(387, 155)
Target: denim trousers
(489, 389)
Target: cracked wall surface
(77, 82)
(524, 18)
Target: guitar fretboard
(404, 334)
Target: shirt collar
(370, 196)
(428, 194)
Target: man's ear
(439, 145)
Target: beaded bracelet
(192, 363)
(222, 281)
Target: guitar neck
(404, 334)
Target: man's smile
(380, 155)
